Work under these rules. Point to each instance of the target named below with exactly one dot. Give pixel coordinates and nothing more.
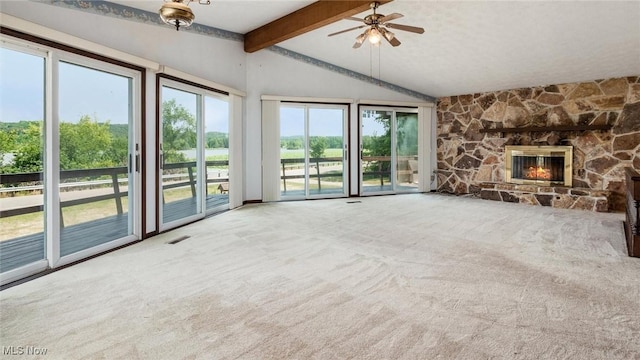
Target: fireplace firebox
(539, 165)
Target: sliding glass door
(389, 151)
(376, 154)
(327, 152)
(313, 151)
(194, 153)
(70, 158)
(96, 144)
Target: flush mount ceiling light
(177, 12)
(376, 25)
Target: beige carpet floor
(395, 277)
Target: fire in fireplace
(541, 165)
(537, 172)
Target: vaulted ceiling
(467, 47)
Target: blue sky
(82, 91)
(21, 86)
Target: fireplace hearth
(539, 165)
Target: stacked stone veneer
(470, 161)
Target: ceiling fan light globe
(374, 36)
(389, 35)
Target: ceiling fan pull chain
(371, 62)
(379, 66)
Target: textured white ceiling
(239, 16)
(468, 46)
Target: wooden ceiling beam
(311, 17)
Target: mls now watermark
(24, 350)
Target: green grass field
(299, 154)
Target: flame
(538, 173)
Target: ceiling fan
(377, 24)
(177, 12)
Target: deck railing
(15, 183)
(114, 178)
(407, 167)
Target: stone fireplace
(539, 165)
(599, 119)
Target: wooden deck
(182, 208)
(24, 250)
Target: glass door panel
(293, 152)
(376, 157)
(22, 217)
(216, 147)
(389, 141)
(406, 133)
(95, 122)
(326, 166)
(179, 158)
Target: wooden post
(284, 177)
(191, 181)
(318, 172)
(61, 217)
(116, 192)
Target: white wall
(269, 73)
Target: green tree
(178, 126)
(334, 142)
(178, 131)
(217, 140)
(85, 145)
(28, 152)
(294, 144)
(7, 143)
(118, 152)
(318, 145)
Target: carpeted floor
(395, 277)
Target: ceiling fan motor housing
(373, 19)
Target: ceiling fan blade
(394, 41)
(390, 37)
(354, 18)
(390, 17)
(413, 29)
(350, 29)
